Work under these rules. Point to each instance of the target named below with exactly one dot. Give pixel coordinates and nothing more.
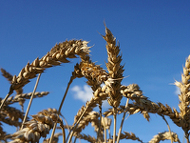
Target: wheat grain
(164, 136)
(184, 97)
(87, 138)
(131, 136)
(38, 127)
(93, 73)
(56, 56)
(114, 67)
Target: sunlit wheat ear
(57, 55)
(114, 67)
(38, 127)
(164, 136)
(132, 92)
(115, 70)
(184, 97)
(131, 136)
(87, 138)
(93, 73)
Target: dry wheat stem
(105, 122)
(59, 111)
(122, 121)
(100, 113)
(168, 128)
(30, 102)
(114, 126)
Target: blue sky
(154, 42)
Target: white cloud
(177, 91)
(85, 94)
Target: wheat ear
(56, 56)
(38, 127)
(184, 97)
(115, 71)
(131, 136)
(164, 136)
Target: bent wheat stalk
(30, 102)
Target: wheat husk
(164, 136)
(56, 56)
(184, 97)
(115, 69)
(38, 127)
(131, 136)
